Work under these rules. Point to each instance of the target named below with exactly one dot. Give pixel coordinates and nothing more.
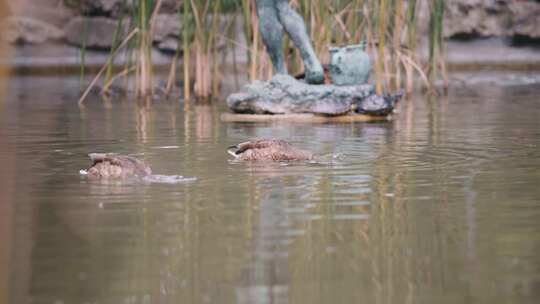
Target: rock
(492, 18)
(483, 18)
(170, 6)
(525, 18)
(167, 26)
(50, 11)
(115, 8)
(99, 32)
(168, 45)
(283, 94)
(378, 105)
(29, 30)
(167, 32)
(109, 8)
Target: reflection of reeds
(388, 27)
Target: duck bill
(232, 151)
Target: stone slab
(302, 118)
(284, 94)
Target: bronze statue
(276, 16)
(347, 94)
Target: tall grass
(82, 54)
(187, 38)
(110, 61)
(388, 26)
(138, 45)
(437, 65)
(144, 12)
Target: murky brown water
(440, 206)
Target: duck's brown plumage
(269, 150)
(116, 166)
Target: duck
(116, 166)
(268, 150)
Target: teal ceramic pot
(349, 65)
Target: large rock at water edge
(492, 18)
(93, 32)
(283, 94)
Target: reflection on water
(441, 205)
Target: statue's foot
(315, 75)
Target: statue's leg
(295, 27)
(272, 33)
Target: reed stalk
(398, 6)
(232, 45)
(213, 74)
(172, 71)
(411, 25)
(82, 53)
(247, 7)
(437, 66)
(254, 44)
(144, 71)
(203, 43)
(110, 63)
(186, 46)
(381, 54)
(104, 68)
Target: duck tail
(232, 151)
(97, 157)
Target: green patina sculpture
(348, 94)
(349, 65)
(276, 16)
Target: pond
(440, 205)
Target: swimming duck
(269, 150)
(107, 165)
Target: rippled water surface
(441, 205)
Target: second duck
(268, 150)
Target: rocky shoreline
(63, 21)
